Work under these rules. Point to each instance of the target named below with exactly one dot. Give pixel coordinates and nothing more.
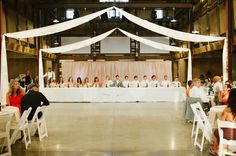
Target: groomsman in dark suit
(117, 82)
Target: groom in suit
(117, 82)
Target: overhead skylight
(70, 13)
(114, 14)
(159, 13)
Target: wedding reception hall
(118, 77)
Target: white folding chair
(225, 151)
(5, 135)
(202, 124)
(40, 123)
(23, 126)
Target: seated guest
(165, 83)
(117, 82)
(217, 88)
(33, 99)
(126, 83)
(196, 94)
(14, 94)
(79, 82)
(96, 83)
(70, 82)
(144, 82)
(229, 114)
(190, 86)
(86, 82)
(135, 83)
(61, 83)
(197, 91)
(224, 95)
(154, 83)
(207, 85)
(53, 84)
(108, 82)
(176, 82)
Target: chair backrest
(39, 109)
(24, 117)
(202, 120)
(226, 124)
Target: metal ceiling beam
(120, 5)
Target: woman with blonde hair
(86, 82)
(14, 94)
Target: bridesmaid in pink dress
(14, 95)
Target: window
(159, 14)
(114, 14)
(70, 13)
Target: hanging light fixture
(173, 20)
(55, 20)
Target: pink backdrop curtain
(102, 69)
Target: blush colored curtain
(111, 68)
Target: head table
(114, 94)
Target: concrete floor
(114, 129)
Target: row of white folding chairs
(28, 127)
(202, 123)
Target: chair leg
(25, 138)
(194, 126)
(9, 145)
(45, 128)
(39, 130)
(202, 142)
(196, 136)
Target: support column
(229, 35)
(1, 22)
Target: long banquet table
(114, 94)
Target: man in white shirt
(165, 83)
(135, 83)
(154, 83)
(218, 86)
(176, 82)
(50, 74)
(108, 82)
(126, 82)
(197, 91)
(144, 82)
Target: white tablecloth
(215, 113)
(114, 94)
(10, 110)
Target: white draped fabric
(55, 28)
(81, 44)
(102, 69)
(52, 29)
(179, 35)
(66, 49)
(76, 22)
(69, 47)
(153, 44)
(167, 31)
